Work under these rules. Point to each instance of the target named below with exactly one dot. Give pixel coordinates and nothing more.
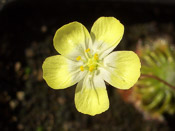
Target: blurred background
(27, 103)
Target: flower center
(91, 62)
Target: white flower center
(91, 62)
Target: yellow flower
(85, 58)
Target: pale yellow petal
(60, 72)
(71, 40)
(91, 96)
(106, 34)
(121, 69)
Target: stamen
(91, 68)
(87, 50)
(81, 68)
(96, 56)
(78, 58)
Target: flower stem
(157, 78)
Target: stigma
(78, 58)
(87, 50)
(81, 68)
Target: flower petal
(71, 40)
(122, 69)
(91, 96)
(60, 72)
(106, 34)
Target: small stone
(61, 100)
(13, 104)
(40, 75)
(29, 52)
(4, 1)
(20, 127)
(17, 66)
(43, 28)
(14, 118)
(20, 95)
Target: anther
(96, 56)
(81, 68)
(78, 58)
(87, 50)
